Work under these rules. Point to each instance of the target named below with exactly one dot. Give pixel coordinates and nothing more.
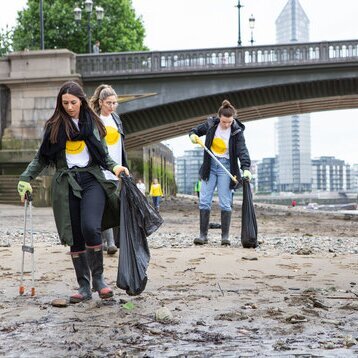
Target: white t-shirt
(77, 153)
(220, 144)
(114, 143)
(141, 187)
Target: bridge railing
(109, 64)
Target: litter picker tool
(28, 244)
(216, 159)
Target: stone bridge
(164, 94)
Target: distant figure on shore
(156, 193)
(96, 47)
(197, 188)
(141, 186)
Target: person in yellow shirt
(156, 193)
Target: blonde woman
(104, 103)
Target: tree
(120, 30)
(5, 41)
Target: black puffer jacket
(237, 147)
(119, 124)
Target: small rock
(249, 258)
(163, 314)
(349, 341)
(331, 321)
(281, 345)
(59, 302)
(303, 251)
(296, 318)
(201, 322)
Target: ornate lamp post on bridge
(239, 6)
(252, 26)
(88, 8)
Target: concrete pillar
(33, 79)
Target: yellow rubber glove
(118, 169)
(22, 188)
(247, 174)
(194, 138)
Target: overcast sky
(189, 24)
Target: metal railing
(109, 64)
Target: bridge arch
(175, 90)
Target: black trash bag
(138, 220)
(248, 218)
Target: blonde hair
(227, 109)
(101, 93)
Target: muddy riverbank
(295, 295)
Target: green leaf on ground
(128, 306)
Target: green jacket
(64, 180)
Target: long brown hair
(60, 116)
(101, 93)
(227, 109)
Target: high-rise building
(267, 175)
(187, 170)
(293, 133)
(354, 178)
(330, 174)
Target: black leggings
(86, 213)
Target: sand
(296, 295)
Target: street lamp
(252, 26)
(88, 8)
(239, 6)
(42, 40)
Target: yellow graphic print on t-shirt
(218, 146)
(112, 136)
(75, 147)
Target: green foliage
(120, 30)
(5, 41)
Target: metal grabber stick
(217, 160)
(28, 248)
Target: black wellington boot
(225, 227)
(204, 226)
(95, 261)
(83, 276)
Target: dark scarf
(48, 150)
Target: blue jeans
(220, 179)
(156, 202)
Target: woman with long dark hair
(83, 200)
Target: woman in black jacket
(225, 138)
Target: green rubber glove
(22, 188)
(194, 138)
(247, 174)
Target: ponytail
(227, 109)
